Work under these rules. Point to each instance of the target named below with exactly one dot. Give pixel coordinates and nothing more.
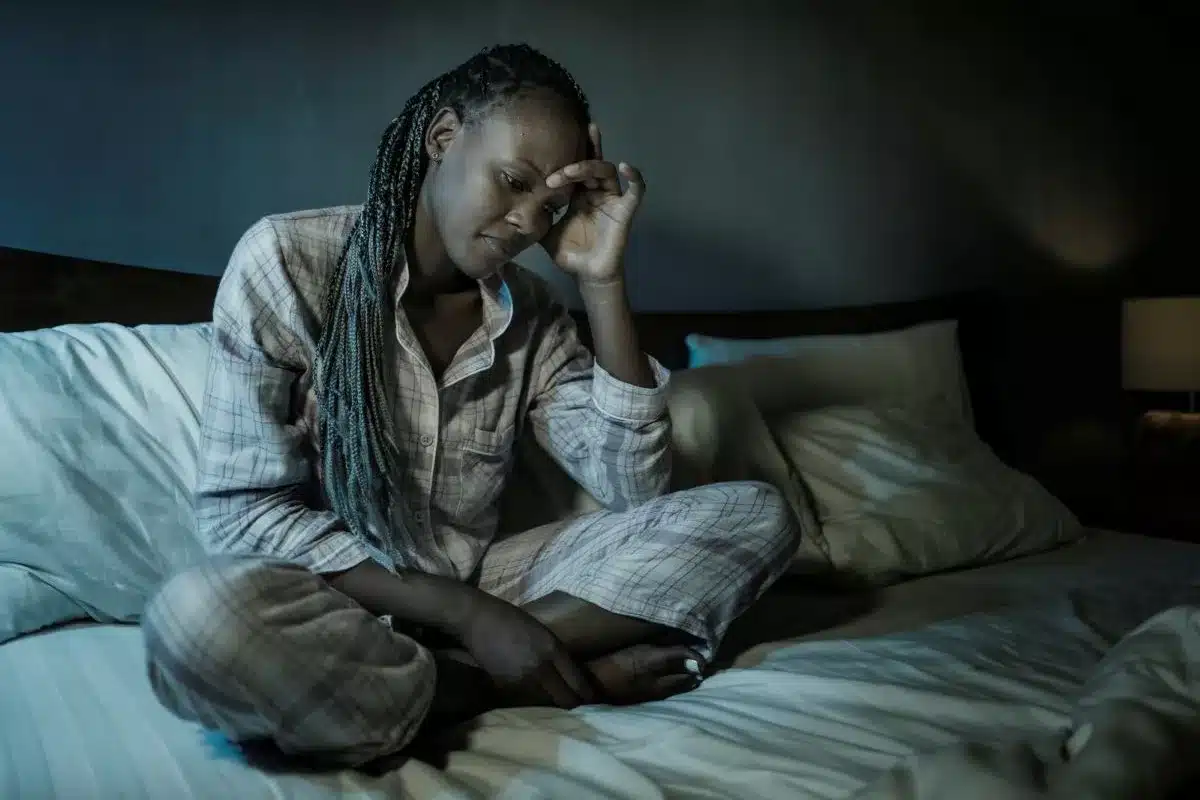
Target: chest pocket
(485, 460)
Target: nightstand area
(1160, 356)
(1164, 491)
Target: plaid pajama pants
(258, 648)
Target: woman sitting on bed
(370, 369)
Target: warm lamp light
(1160, 345)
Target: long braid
(360, 463)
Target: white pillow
(919, 367)
(99, 427)
(898, 495)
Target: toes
(670, 685)
(644, 673)
(679, 660)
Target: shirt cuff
(628, 403)
(339, 551)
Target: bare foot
(463, 692)
(645, 672)
(637, 674)
(463, 689)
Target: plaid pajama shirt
(256, 644)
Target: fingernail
(692, 665)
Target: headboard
(38, 290)
(1031, 368)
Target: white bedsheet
(821, 716)
(1134, 734)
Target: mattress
(849, 684)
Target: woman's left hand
(589, 241)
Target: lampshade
(1161, 344)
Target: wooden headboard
(40, 291)
(1033, 367)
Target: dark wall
(798, 155)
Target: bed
(1069, 672)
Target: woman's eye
(513, 183)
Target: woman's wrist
(614, 338)
(416, 598)
(604, 290)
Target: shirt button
(426, 440)
(419, 516)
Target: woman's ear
(441, 132)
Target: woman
(370, 370)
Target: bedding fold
(1134, 733)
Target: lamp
(1160, 345)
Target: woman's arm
(253, 464)
(517, 651)
(603, 418)
(608, 430)
(430, 601)
(253, 469)
(614, 337)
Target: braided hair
(360, 463)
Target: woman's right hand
(523, 657)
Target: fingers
(601, 175)
(685, 670)
(565, 682)
(671, 685)
(555, 686)
(594, 136)
(574, 676)
(633, 176)
(695, 664)
(674, 660)
(592, 174)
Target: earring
(436, 156)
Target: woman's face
(487, 192)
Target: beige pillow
(917, 367)
(718, 435)
(900, 495)
(881, 494)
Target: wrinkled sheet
(1134, 733)
(994, 657)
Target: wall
(830, 153)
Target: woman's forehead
(537, 132)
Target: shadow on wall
(1045, 115)
(669, 269)
(697, 270)
(673, 269)
(823, 155)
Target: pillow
(899, 495)
(99, 426)
(717, 434)
(881, 493)
(919, 367)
